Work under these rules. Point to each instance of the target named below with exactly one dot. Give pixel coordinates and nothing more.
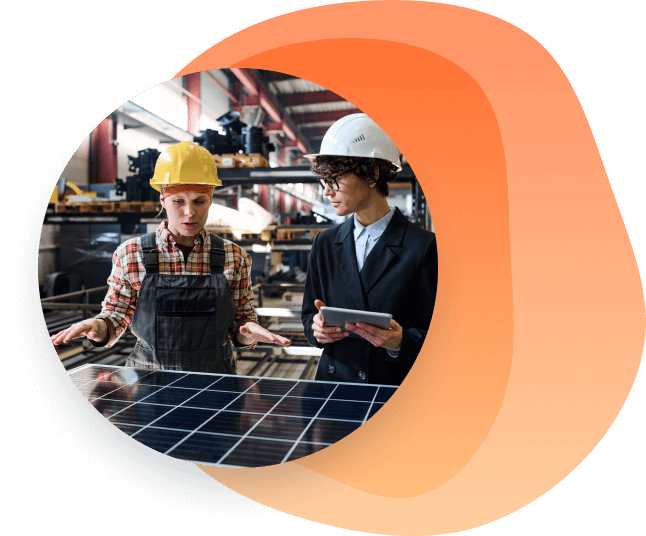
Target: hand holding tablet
(334, 316)
(377, 328)
(322, 333)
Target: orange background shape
(539, 323)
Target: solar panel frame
(159, 405)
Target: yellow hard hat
(185, 163)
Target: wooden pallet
(240, 160)
(106, 206)
(138, 206)
(234, 238)
(282, 234)
(227, 233)
(225, 160)
(266, 235)
(296, 232)
(252, 160)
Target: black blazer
(398, 277)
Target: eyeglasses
(329, 181)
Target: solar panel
(228, 421)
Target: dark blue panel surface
(228, 420)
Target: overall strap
(151, 259)
(217, 254)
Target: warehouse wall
(77, 169)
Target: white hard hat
(358, 135)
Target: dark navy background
(78, 471)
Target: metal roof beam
(314, 131)
(224, 89)
(274, 76)
(319, 117)
(310, 97)
(250, 80)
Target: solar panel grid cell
(228, 420)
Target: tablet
(333, 316)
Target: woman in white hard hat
(185, 293)
(375, 261)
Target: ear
(375, 170)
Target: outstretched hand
(94, 328)
(251, 332)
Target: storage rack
(241, 177)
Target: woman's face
(187, 212)
(353, 195)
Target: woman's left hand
(251, 332)
(390, 338)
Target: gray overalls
(181, 321)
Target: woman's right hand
(95, 329)
(322, 334)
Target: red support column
(104, 153)
(281, 202)
(263, 196)
(194, 107)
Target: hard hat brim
(312, 156)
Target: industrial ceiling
(298, 111)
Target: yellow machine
(59, 195)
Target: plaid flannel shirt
(128, 271)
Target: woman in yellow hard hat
(185, 293)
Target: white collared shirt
(365, 238)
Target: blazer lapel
(347, 258)
(384, 251)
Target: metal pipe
(71, 306)
(74, 294)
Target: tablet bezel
(337, 317)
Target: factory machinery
(238, 139)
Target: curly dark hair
(329, 166)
